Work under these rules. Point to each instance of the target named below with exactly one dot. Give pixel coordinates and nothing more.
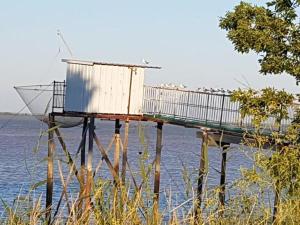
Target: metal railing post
(53, 96)
(222, 109)
(64, 95)
(187, 106)
(207, 102)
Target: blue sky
(181, 36)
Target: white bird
(223, 91)
(145, 61)
(181, 86)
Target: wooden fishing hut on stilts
(109, 91)
(97, 90)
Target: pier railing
(59, 93)
(204, 108)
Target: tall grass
(132, 203)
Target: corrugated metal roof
(91, 63)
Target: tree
(272, 31)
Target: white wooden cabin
(104, 88)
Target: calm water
(23, 164)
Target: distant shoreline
(14, 114)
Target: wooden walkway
(204, 109)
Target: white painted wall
(103, 89)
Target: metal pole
(222, 109)
(64, 95)
(89, 180)
(53, 96)
(187, 106)
(124, 158)
(51, 151)
(206, 113)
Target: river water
(23, 151)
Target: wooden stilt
(68, 155)
(276, 203)
(106, 159)
(89, 179)
(224, 146)
(277, 192)
(124, 158)
(116, 167)
(72, 170)
(157, 169)
(202, 170)
(51, 150)
(82, 161)
(82, 166)
(117, 146)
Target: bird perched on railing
(214, 90)
(145, 61)
(181, 86)
(206, 90)
(173, 86)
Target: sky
(181, 36)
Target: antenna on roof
(59, 33)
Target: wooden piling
(117, 146)
(51, 150)
(202, 170)
(224, 146)
(82, 166)
(70, 161)
(157, 168)
(124, 156)
(82, 151)
(89, 179)
(106, 159)
(276, 203)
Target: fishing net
(38, 99)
